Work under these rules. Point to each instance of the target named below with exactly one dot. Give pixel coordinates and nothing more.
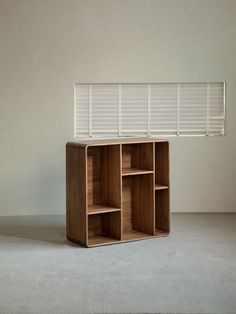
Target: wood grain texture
(143, 204)
(76, 194)
(94, 175)
(138, 156)
(104, 176)
(117, 192)
(111, 176)
(106, 225)
(162, 208)
(104, 193)
(162, 163)
(138, 205)
(127, 204)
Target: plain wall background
(46, 45)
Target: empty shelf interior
(162, 213)
(137, 158)
(103, 177)
(138, 211)
(106, 226)
(162, 164)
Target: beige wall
(46, 45)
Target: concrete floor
(191, 271)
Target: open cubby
(104, 228)
(162, 213)
(103, 173)
(117, 190)
(137, 158)
(161, 165)
(137, 209)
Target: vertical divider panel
(76, 194)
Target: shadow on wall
(50, 229)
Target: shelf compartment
(99, 209)
(137, 158)
(104, 228)
(104, 176)
(160, 187)
(162, 212)
(162, 163)
(134, 171)
(137, 206)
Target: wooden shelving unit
(117, 190)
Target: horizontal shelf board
(134, 235)
(99, 209)
(134, 171)
(161, 233)
(101, 240)
(131, 235)
(160, 187)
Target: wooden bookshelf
(117, 190)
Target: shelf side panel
(162, 196)
(76, 191)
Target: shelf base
(101, 240)
(100, 209)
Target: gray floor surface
(191, 271)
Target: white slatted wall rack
(157, 109)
